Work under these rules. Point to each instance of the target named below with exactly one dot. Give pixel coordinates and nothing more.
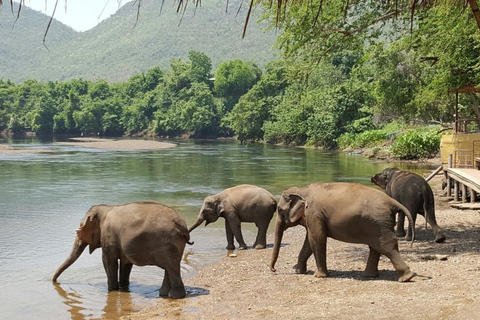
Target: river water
(43, 197)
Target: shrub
(417, 143)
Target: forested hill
(116, 50)
(21, 50)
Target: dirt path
(244, 288)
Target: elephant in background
(415, 194)
(243, 203)
(347, 212)
(138, 233)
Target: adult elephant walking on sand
(138, 233)
(415, 194)
(347, 212)
(243, 203)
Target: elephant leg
(261, 240)
(230, 244)
(390, 249)
(110, 263)
(125, 270)
(409, 230)
(305, 253)
(432, 221)
(400, 230)
(165, 289)
(235, 226)
(372, 264)
(318, 242)
(177, 289)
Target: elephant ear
(89, 230)
(220, 207)
(388, 173)
(297, 207)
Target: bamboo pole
(433, 174)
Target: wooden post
(473, 196)
(455, 190)
(456, 111)
(433, 174)
(464, 193)
(449, 181)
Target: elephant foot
(124, 289)
(320, 274)
(408, 237)
(113, 288)
(177, 294)
(400, 233)
(230, 247)
(407, 276)
(164, 292)
(260, 246)
(300, 269)
(440, 237)
(370, 274)
(243, 247)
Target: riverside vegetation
(386, 88)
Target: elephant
(242, 203)
(348, 212)
(415, 194)
(137, 233)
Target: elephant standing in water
(415, 194)
(347, 212)
(139, 233)
(243, 203)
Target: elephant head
(382, 179)
(87, 234)
(291, 210)
(211, 210)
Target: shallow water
(43, 197)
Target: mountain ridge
(118, 47)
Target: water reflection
(73, 301)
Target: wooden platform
(465, 183)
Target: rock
(232, 255)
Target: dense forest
(384, 84)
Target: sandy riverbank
(118, 144)
(6, 149)
(244, 288)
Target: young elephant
(414, 193)
(139, 233)
(243, 203)
(347, 212)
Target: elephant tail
(186, 235)
(399, 207)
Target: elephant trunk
(197, 222)
(77, 249)
(279, 228)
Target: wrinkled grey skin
(138, 233)
(243, 203)
(347, 212)
(415, 194)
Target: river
(43, 197)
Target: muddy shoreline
(245, 288)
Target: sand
(244, 288)
(6, 149)
(118, 144)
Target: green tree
(233, 79)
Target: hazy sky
(81, 15)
